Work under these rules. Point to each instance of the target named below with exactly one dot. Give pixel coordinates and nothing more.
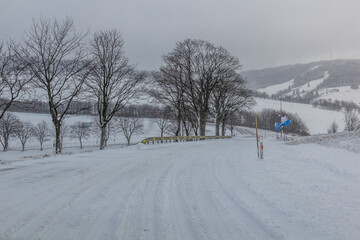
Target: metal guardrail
(180, 139)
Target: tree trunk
(23, 146)
(223, 128)
(57, 137)
(103, 136)
(187, 132)
(203, 117)
(6, 144)
(80, 143)
(178, 126)
(217, 126)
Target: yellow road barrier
(180, 139)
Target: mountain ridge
(342, 72)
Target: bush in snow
(352, 121)
(334, 127)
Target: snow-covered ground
(343, 140)
(345, 93)
(215, 189)
(317, 120)
(273, 89)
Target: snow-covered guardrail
(179, 139)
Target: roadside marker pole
(261, 149)
(257, 136)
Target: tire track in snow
(88, 183)
(94, 192)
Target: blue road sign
(286, 123)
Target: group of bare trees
(62, 67)
(198, 80)
(12, 127)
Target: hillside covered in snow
(335, 80)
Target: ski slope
(273, 89)
(200, 190)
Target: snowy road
(202, 190)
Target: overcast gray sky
(262, 33)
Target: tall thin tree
(113, 81)
(57, 57)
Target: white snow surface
(273, 89)
(215, 189)
(308, 87)
(345, 93)
(316, 119)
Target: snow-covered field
(345, 93)
(273, 89)
(317, 120)
(198, 190)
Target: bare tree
(57, 57)
(333, 128)
(41, 131)
(130, 126)
(163, 125)
(188, 78)
(14, 79)
(113, 81)
(111, 130)
(352, 121)
(210, 65)
(169, 90)
(163, 121)
(9, 123)
(24, 132)
(229, 96)
(80, 132)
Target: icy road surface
(200, 190)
